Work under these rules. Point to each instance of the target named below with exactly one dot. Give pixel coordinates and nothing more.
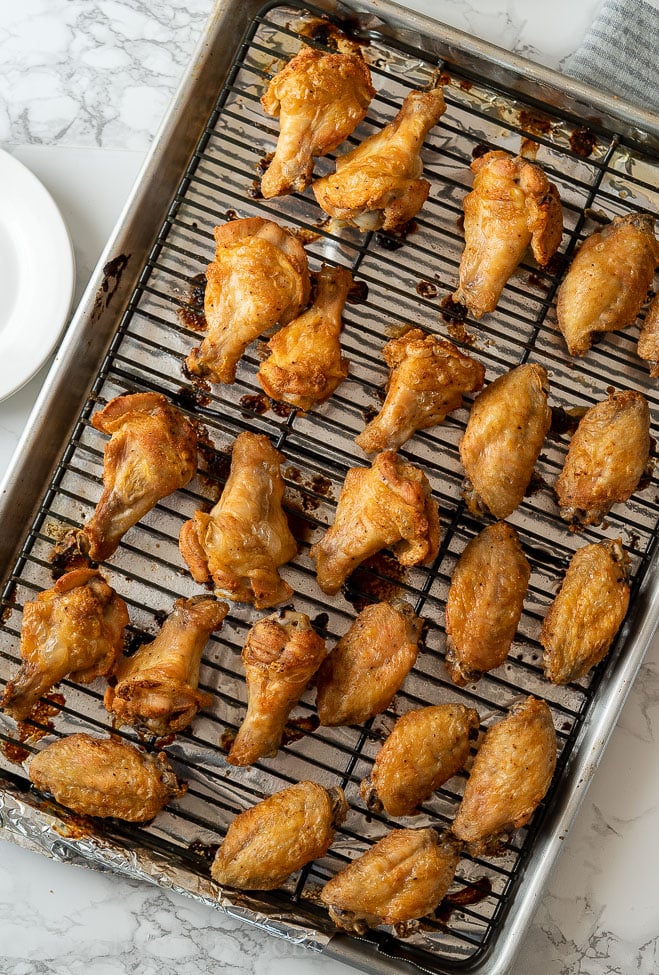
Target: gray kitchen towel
(620, 53)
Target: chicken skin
(244, 540)
(485, 602)
(378, 183)
(583, 620)
(75, 629)
(305, 364)
(369, 663)
(510, 776)
(264, 845)
(404, 876)
(105, 777)
(512, 204)
(320, 99)
(428, 378)
(608, 280)
(607, 457)
(157, 688)
(388, 504)
(648, 339)
(281, 655)
(426, 747)
(507, 426)
(259, 278)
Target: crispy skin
(264, 845)
(587, 613)
(105, 777)
(368, 665)
(75, 629)
(485, 602)
(281, 655)
(305, 364)
(507, 425)
(388, 504)
(648, 339)
(402, 877)
(320, 99)
(259, 278)
(428, 378)
(511, 773)
(426, 747)
(378, 183)
(157, 688)
(244, 540)
(608, 455)
(511, 205)
(608, 280)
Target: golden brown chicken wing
(75, 629)
(608, 280)
(105, 777)
(426, 747)
(485, 602)
(369, 663)
(428, 378)
(511, 773)
(607, 457)
(648, 339)
(244, 540)
(259, 278)
(281, 655)
(378, 184)
(157, 688)
(264, 845)
(587, 613)
(388, 504)
(507, 425)
(305, 364)
(511, 205)
(320, 99)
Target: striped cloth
(621, 51)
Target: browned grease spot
(112, 274)
(254, 403)
(321, 485)
(465, 85)
(204, 851)
(480, 150)
(536, 280)
(393, 241)
(444, 78)
(532, 122)
(536, 485)
(254, 191)
(283, 410)
(297, 728)
(231, 215)
(320, 621)
(565, 421)
(334, 36)
(66, 554)
(426, 289)
(217, 463)
(227, 739)
(358, 293)
(298, 524)
(583, 141)
(377, 579)
(42, 713)
(14, 753)
(473, 894)
(190, 397)
(555, 264)
(193, 315)
(452, 310)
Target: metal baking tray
(131, 333)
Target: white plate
(37, 274)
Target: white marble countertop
(82, 88)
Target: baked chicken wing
(264, 845)
(244, 540)
(259, 278)
(75, 629)
(320, 98)
(428, 378)
(379, 183)
(305, 364)
(512, 204)
(648, 339)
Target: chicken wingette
(648, 339)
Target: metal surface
(134, 337)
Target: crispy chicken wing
(507, 425)
(157, 688)
(320, 99)
(244, 540)
(105, 777)
(378, 184)
(259, 278)
(264, 845)
(511, 205)
(305, 364)
(587, 613)
(281, 655)
(648, 339)
(608, 280)
(607, 457)
(388, 504)
(428, 377)
(485, 602)
(75, 629)
(426, 747)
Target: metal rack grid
(405, 282)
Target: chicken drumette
(648, 339)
